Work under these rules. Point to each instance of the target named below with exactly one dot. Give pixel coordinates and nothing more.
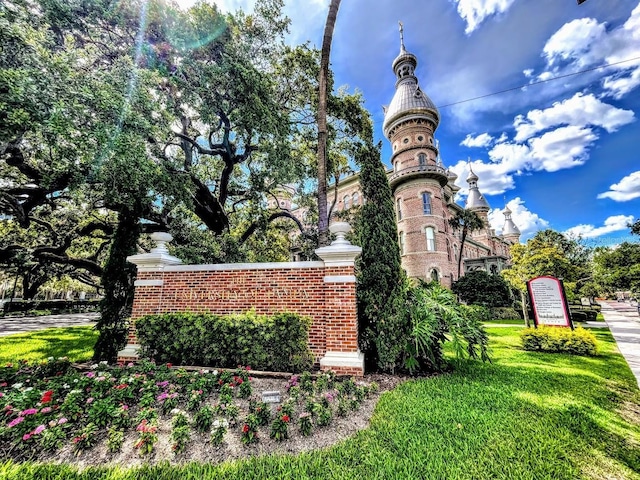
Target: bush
(277, 342)
(505, 313)
(583, 315)
(482, 288)
(435, 316)
(561, 340)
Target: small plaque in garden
(272, 396)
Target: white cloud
(585, 43)
(474, 12)
(565, 147)
(626, 189)
(578, 110)
(527, 222)
(482, 140)
(491, 178)
(614, 223)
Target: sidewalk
(624, 323)
(11, 325)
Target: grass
(525, 416)
(506, 321)
(73, 342)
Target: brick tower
(423, 189)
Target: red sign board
(549, 302)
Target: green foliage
(382, 327)
(562, 340)
(505, 313)
(467, 221)
(277, 342)
(435, 317)
(618, 269)
(482, 288)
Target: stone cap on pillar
(158, 257)
(341, 253)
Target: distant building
(424, 190)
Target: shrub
(435, 316)
(562, 340)
(482, 288)
(277, 342)
(505, 313)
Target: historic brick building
(424, 190)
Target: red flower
(285, 418)
(121, 386)
(245, 429)
(46, 397)
(169, 365)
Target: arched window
(493, 269)
(448, 250)
(346, 201)
(401, 242)
(426, 203)
(399, 208)
(435, 277)
(455, 252)
(431, 239)
(422, 159)
(355, 199)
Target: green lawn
(74, 342)
(524, 416)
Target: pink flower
(15, 422)
(26, 436)
(62, 421)
(90, 374)
(39, 429)
(1, 394)
(125, 407)
(29, 411)
(46, 410)
(90, 400)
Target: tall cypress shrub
(382, 323)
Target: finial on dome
(401, 28)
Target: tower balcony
(435, 172)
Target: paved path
(624, 323)
(11, 325)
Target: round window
(406, 140)
(420, 138)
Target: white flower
(215, 372)
(75, 380)
(17, 385)
(175, 411)
(50, 359)
(28, 389)
(104, 362)
(65, 386)
(204, 372)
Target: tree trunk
(323, 217)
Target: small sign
(585, 301)
(271, 396)
(549, 302)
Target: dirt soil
(201, 450)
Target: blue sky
(562, 154)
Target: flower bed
(51, 410)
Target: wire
(540, 81)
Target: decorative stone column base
(129, 354)
(344, 363)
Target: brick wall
(326, 293)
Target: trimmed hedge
(505, 313)
(558, 339)
(272, 343)
(584, 315)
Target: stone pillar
(341, 316)
(148, 288)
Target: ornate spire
(475, 199)
(401, 28)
